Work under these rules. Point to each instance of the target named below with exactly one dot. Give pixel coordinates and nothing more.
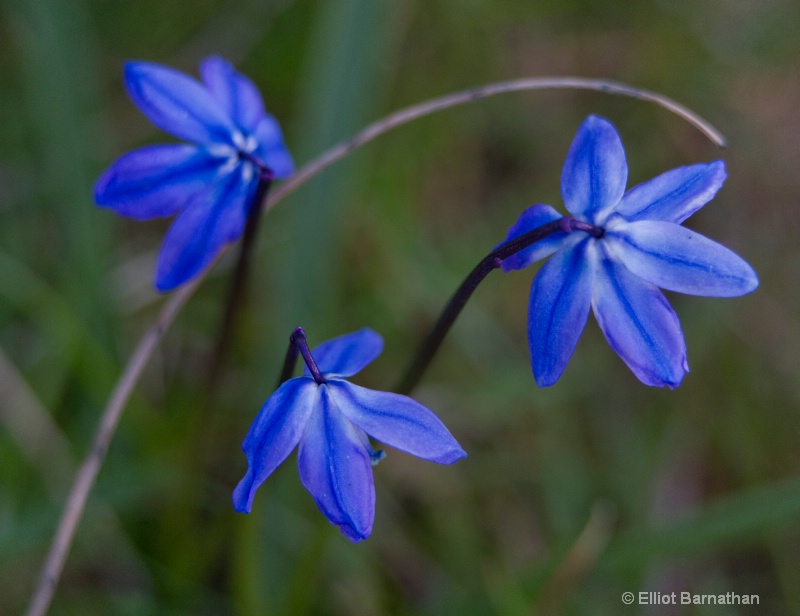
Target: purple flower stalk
(614, 253)
(211, 183)
(330, 419)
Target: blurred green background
(571, 495)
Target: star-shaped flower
(330, 419)
(613, 254)
(210, 183)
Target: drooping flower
(614, 252)
(210, 183)
(330, 418)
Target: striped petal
(675, 195)
(178, 104)
(237, 95)
(212, 219)
(156, 181)
(595, 172)
(348, 354)
(639, 324)
(675, 258)
(274, 434)
(559, 306)
(336, 468)
(533, 217)
(271, 148)
(398, 421)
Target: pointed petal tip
(545, 380)
(354, 534)
(452, 456)
(243, 494)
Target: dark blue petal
(675, 195)
(155, 181)
(595, 172)
(336, 468)
(639, 325)
(178, 104)
(274, 434)
(559, 306)
(674, 258)
(348, 354)
(214, 218)
(398, 421)
(535, 216)
(238, 96)
(271, 148)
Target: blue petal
(398, 421)
(178, 104)
(559, 306)
(535, 216)
(348, 354)
(155, 181)
(639, 325)
(675, 195)
(674, 258)
(211, 220)
(273, 435)
(336, 468)
(595, 172)
(238, 96)
(271, 148)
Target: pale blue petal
(348, 354)
(336, 468)
(273, 435)
(639, 325)
(595, 172)
(155, 181)
(398, 421)
(178, 104)
(675, 195)
(238, 96)
(559, 306)
(674, 258)
(211, 220)
(271, 148)
(533, 217)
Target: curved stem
(459, 299)
(76, 502)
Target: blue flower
(330, 419)
(210, 183)
(614, 253)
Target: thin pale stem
(87, 474)
(76, 502)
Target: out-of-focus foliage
(570, 495)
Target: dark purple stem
(237, 288)
(459, 299)
(298, 343)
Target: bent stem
(460, 298)
(76, 502)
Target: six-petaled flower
(210, 184)
(330, 419)
(613, 254)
